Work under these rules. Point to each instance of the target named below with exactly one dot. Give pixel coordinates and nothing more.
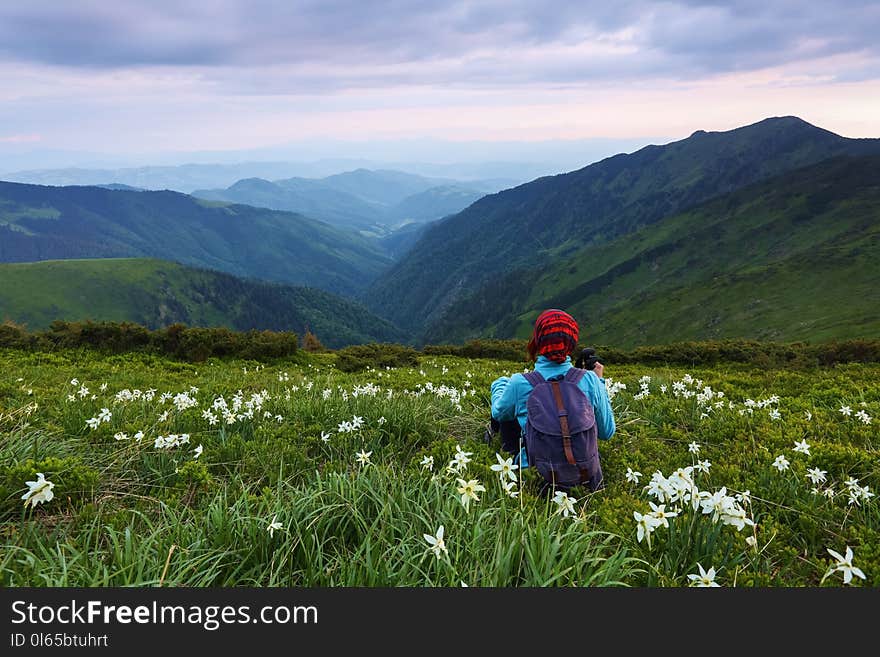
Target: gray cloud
(279, 47)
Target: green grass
(128, 513)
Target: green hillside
(793, 258)
(54, 223)
(157, 293)
(552, 218)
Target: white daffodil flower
(816, 475)
(510, 488)
(564, 502)
(645, 524)
(845, 565)
(40, 491)
(661, 514)
(436, 543)
(781, 463)
(705, 578)
(468, 491)
(632, 476)
(714, 503)
(505, 468)
(274, 526)
(802, 446)
(460, 459)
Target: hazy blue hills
(182, 178)
(382, 188)
(156, 293)
(502, 237)
(311, 198)
(373, 202)
(434, 203)
(51, 223)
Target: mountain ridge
(373, 202)
(46, 223)
(552, 217)
(776, 245)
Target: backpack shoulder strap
(563, 422)
(574, 375)
(534, 377)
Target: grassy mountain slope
(796, 257)
(157, 293)
(50, 223)
(551, 218)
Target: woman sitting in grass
(553, 340)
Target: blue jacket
(509, 395)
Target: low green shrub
(376, 355)
(194, 344)
(797, 355)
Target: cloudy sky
(159, 76)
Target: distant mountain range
(472, 273)
(186, 178)
(767, 231)
(182, 178)
(50, 223)
(373, 202)
(156, 293)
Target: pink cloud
(20, 139)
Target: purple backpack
(561, 435)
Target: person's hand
(599, 369)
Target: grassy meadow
(295, 473)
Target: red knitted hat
(555, 335)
